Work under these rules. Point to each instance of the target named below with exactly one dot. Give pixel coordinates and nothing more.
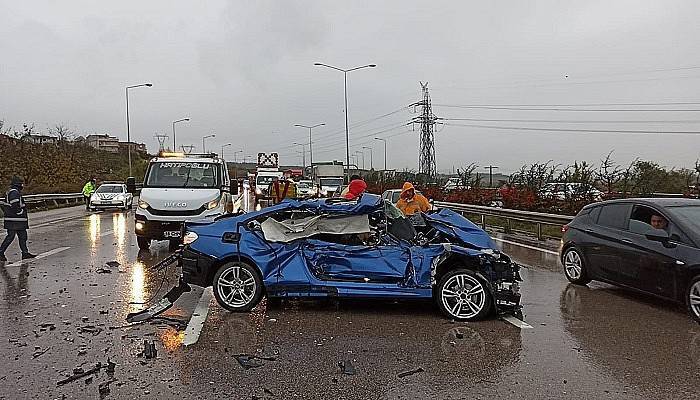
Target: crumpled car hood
(455, 225)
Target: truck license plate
(171, 234)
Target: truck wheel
(143, 242)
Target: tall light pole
(491, 168)
(371, 161)
(235, 159)
(311, 152)
(222, 149)
(128, 133)
(175, 122)
(204, 149)
(303, 154)
(383, 140)
(347, 131)
(356, 153)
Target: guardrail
(54, 199)
(537, 218)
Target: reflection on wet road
(67, 310)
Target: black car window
(640, 220)
(594, 213)
(614, 215)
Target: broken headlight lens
(189, 238)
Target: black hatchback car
(648, 245)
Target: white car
(562, 191)
(393, 195)
(305, 188)
(111, 195)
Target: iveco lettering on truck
(179, 187)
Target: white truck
(179, 187)
(267, 172)
(328, 177)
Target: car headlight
(140, 226)
(143, 204)
(189, 237)
(214, 203)
(119, 197)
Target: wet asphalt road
(66, 311)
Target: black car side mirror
(234, 188)
(658, 235)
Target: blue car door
(385, 263)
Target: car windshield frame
(186, 179)
(102, 187)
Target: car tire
(237, 287)
(575, 267)
(143, 242)
(463, 295)
(693, 298)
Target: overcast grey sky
(244, 71)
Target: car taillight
(564, 228)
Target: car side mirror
(658, 235)
(131, 185)
(233, 189)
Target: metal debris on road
(410, 372)
(78, 375)
(346, 367)
(112, 264)
(38, 352)
(91, 329)
(248, 361)
(149, 350)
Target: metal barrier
(47, 201)
(536, 218)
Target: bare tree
(609, 173)
(62, 132)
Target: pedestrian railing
(537, 218)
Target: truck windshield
(183, 174)
(331, 181)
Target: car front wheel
(237, 287)
(694, 299)
(574, 267)
(463, 296)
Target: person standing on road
(88, 190)
(16, 221)
(412, 202)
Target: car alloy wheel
(237, 287)
(463, 296)
(574, 268)
(694, 299)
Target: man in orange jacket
(412, 202)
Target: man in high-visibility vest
(16, 221)
(88, 190)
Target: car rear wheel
(463, 296)
(693, 299)
(237, 286)
(143, 242)
(574, 267)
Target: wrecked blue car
(364, 248)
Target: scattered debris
(48, 325)
(248, 361)
(103, 388)
(149, 350)
(112, 264)
(103, 271)
(88, 380)
(38, 352)
(346, 367)
(84, 319)
(91, 329)
(78, 375)
(410, 372)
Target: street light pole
(128, 132)
(303, 154)
(347, 130)
(204, 149)
(371, 161)
(175, 122)
(310, 127)
(383, 171)
(222, 149)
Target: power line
(522, 128)
(584, 104)
(665, 121)
(565, 109)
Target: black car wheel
(693, 299)
(237, 286)
(143, 242)
(462, 295)
(574, 267)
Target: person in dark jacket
(16, 221)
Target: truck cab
(179, 187)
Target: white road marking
(39, 256)
(520, 324)
(527, 246)
(194, 327)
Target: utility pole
(426, 161)
(371, 161)
(491, 168)
(303, 154)
(161, 141)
